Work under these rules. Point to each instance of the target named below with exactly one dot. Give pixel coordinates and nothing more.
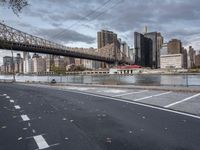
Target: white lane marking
(147, 97)
(181, 101)
(29, 124)
(12, 101)
(17, 107)
(7, 97)
(130, 93)
(25, 118)
(4, 94)
(113, 91)
(137, 103)
(41, 142)
(3, 127)
(165, 93)
(20, 138)
(33, 131)
(139, 99)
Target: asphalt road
(34, 118)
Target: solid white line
(135, 103)
(181, 101)
(147, 97)
(131, 93)
(17, 107)
(40, 141)
(25, 118)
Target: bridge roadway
(44, 118)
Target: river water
(163, 80)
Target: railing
(186, 80)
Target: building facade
(39, 64)
(147, 49)
(197, 62)
(174, 46)
(191, 60)
(171, 61)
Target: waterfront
(155, 80)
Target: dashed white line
(33, 131)
(29, 124)
(130, 93)
(12, 101)
(181, 101)
(147, 97)
(17, 107)
(25, 118)
(41, 142)
(7, 97)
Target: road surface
(33, 118)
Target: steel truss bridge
(13, 39)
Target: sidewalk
(161, 88)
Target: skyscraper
(105, 37)
(147, 48)
(190, 57)
(143, 48)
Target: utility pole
(13, 65)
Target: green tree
(15, 5)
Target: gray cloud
(64, 36)
(173, 18)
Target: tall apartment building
(185, 58)
(191, 60)
(7, 64)
(174, 46)
(18, 62)
(147, 47)
(27, 63)
(49, 62)
(105, 37)
(39, 64)
(197, 62)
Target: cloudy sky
(76, 22)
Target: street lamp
(13, 66)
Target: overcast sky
(76, 22)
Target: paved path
(33, 117)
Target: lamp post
(13, 66)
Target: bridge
(13, 39)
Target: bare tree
(15, 5)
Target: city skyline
(123, 17)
